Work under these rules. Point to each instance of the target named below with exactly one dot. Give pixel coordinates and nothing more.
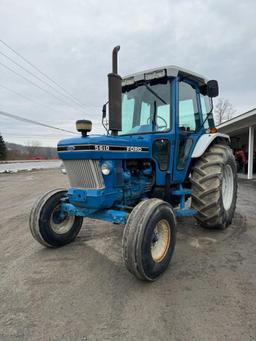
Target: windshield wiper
(206, 118)
(155, 94)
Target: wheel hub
(227, 186)
(160, 240)
(61, 224)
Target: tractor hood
(105, 147)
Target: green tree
(3, 149)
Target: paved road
(83, 292)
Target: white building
(241, 130)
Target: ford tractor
(160, 159)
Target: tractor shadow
(190, 230)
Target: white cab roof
(171, 71)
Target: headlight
(84, 126)
(105, 168)
(63, 169)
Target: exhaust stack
(114, 59)
(115, 95)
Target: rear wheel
(214, 187)
(149, 239)
(46, 224)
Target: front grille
(84, 173)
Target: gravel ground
(83, 291)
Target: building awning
(239, 123)
(244, 123)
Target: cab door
(187, 127)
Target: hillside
(22, 152)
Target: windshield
(146, 109)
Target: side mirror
(212, 88)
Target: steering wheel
(157, 126)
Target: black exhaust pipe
(115, 95)
(114, 59)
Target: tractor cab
(174, 107)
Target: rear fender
(205, 141)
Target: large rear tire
(214, 187)
(149, 239)
(45, 223)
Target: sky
(72, 41)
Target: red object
(241, 157)
(36, 158)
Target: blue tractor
(161, 158)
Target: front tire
(45, 224)
(214, 187)
(149, 239)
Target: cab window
(189, 119)
(206, 106)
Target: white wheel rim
(160, 245)
(64, 226)
(227, 187)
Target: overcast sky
(71, 41)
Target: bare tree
(33, 148)
(223, 111)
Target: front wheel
(149, 239)
(46, 224)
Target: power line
(35, 135)
(25, 97)
(31, 136)
(36, 85)
(35, 76)
(23, 119)
(28, 98)
(41, 72)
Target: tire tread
(206, 180)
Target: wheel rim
(160, 240)
(227, 187)
(61, 226)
